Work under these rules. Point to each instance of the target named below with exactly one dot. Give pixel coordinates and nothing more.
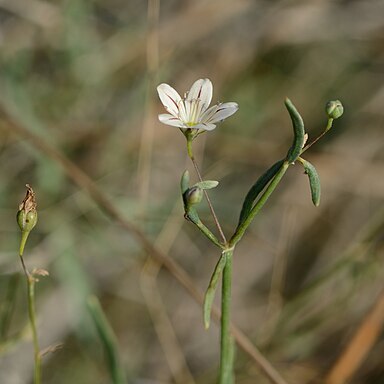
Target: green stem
(327, 128)
(189, 148)
(227, 347)
(207, 233)
(260, 203)
(32, 317)
(23, 241)
(32, 320)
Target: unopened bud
(193, 196)
(334, 109)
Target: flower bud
(27, 214)
(193, 196)
(334, 109)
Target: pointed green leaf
(184, 182)
(207, 184)
(314, 181)
(298, 131)
(108, 339)
(210, 293)
(257, 188)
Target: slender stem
(208, 233)
(32, 320)
(190, 154)
(32, 317)
(260, 203)
(327, 128)
(227, 347)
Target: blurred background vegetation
(80, 77)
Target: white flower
(192, 111)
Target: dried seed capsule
(27, 214)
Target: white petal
(183, 112)
(205, 126)
(195, 91)
(208, 114)
(168, 119)
(170, 98)
(223, 111)
(201, 89)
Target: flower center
(192, 112)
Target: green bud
(193, 196)
(334, 109)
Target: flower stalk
(27, 219)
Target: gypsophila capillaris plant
(193, 116)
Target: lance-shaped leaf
(184, 182)
(210, 293)
(257, 188)
(298, 132)
(109, 341)
(207, 184)
(314, 181)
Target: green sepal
(257, 188)
(184, 182)
(314, 181)
(298, 132)
(210, 293)
(207, 184)
(191, 214)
